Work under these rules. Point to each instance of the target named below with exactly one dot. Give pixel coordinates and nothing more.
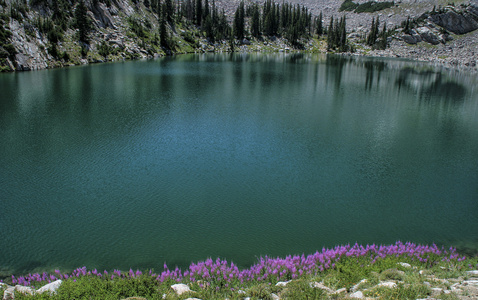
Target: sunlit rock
(472, 272)
(51, 287)
(180, 288)
(358, 295)
(282, 283)
(356, 287)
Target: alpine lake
(134, 164)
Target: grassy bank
(398, 271)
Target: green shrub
(373, 6)
(370, 6)
(348, 5)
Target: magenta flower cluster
(267, 269)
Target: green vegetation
(369, 7)
(375, 38)
(400, 271)
(337, 36)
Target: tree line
(293, 22)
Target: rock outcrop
(457, 21)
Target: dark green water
(179, 159)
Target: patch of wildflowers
(267, 268)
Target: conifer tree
(169, 11)
(163, 31)
(239, 26)
(255, 22)
(372, 36)
(320, 29)
(331, 34)
(205, 11)
(82, 21)
(382, 42)
(198, 12)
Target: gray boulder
(358, 295)
(412, 38)
(427, 35)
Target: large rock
(50, 288)
(283, 283)
(411, 39)
(427, 35)
(180, 288)
(458, 23)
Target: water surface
(175, 160)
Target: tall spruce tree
(373, 34)
(163, 31)
(382, 42)
(255, 21)
(198, 12)
(239, 22)
(319, 26)
(82, 21)
(331, 34)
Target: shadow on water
(373, 68)
(431, 85)
(334, 69)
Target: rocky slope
(439, 33)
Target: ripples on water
(179, 159)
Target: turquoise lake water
(130, 165)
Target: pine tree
(239, 26)
(343, 35)
(163, 31)
(209, 28)
(169, 10)
(205, 11)
(82, 21)
(372, 36)
(331, 34)
(198, 12)
(255, 22)
(382, 42)
(320, 29)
